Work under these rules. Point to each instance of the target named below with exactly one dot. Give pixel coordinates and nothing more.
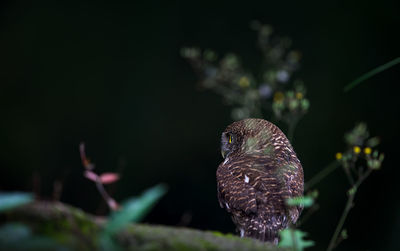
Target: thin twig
(112, 204)
(307, 215)
(292, 126)
(348, 175)
(57, 190)
(363, 177)
(352, 192)
(371, 73)
(346, 211)
(36, 183)
(321, 175)
(338, 241)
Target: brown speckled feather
(259, 173)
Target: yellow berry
(339, 156)
(367, 150)
(278, 97)
(244, 82)
(357, 149)
(299, 95)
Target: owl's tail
(264, 234)
(265, 228)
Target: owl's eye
(230, 139)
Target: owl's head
(230, 142)
(246, 136)
(251, 137)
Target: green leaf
(352, 190)
(134, 209)
(107, 243)
(14, 199)
(190, 53)
(305, 201)
(373, 142)
(344, 234)
(210, 55)
(293, 238)
(13, 232)
(17, 236)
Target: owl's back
(254, 190)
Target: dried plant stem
(352, 192)
(349, 204)
(321, 175)
(371, 73)
(307, 215)
(348, 175)
(292, 126)
(112, 204)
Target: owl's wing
(274, 183)
(233, 192)
(295, 182)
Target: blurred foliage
(304, 201)
(11, 200)
(294, 239)
(17, 236)
(135, 209)
(72, 229)
(132, 210)
(361, 153)
(274, 92)
(358, 162)
(14, 236)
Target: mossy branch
(74, 229)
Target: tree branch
(77, 230)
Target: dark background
(110, 74)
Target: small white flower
(282, 76)
(265, 91)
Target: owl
(260, 171)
